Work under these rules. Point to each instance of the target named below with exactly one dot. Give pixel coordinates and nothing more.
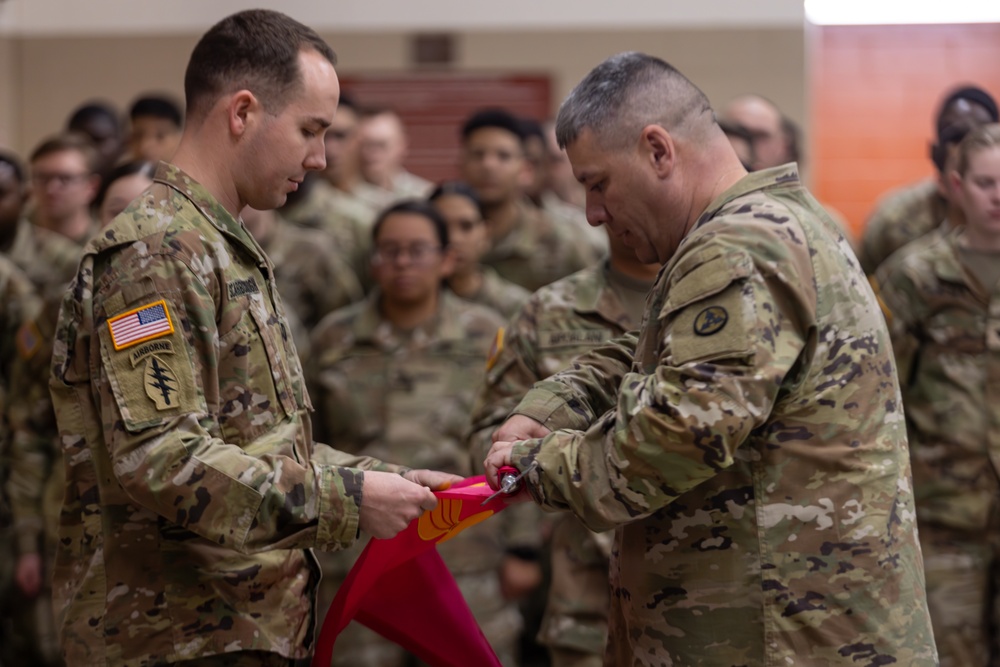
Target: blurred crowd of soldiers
(423, 312)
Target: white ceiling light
(882, 12)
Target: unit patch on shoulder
(29, 339)
(161, 383)
(495, 350)
(711, 320)
(140, 324)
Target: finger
(429, 501)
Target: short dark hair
(256, 49)
(500, 118)
(532, 128)
(459, 188)
(88, 112)
(973, 94)
(15, 165)
(157, 106)
(417, 207)
(69, 141)
(141, 167)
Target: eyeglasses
(420, 253)
(41, 180)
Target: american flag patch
(135, 326)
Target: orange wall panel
(873, 95)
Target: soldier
(560, 322)
(22, 640)
(910, 212)
(194, 491)
(394, 378)
(48, 259)
(312, 278)
(64, 180)
(748, 444)
(99, 122)
(157, 122)
(383, 151)
(939, 292)
(528, 247)
(121, 187)
(459, 206)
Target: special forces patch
(161, 383)
(710, 321)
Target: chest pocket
(254, 377)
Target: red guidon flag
(402, 589)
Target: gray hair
(624, 94)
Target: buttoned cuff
(551, 410)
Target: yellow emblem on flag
(445, 521)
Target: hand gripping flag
(402, 589)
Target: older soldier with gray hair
(747, 443)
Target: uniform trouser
(575, 625)
(962, 569)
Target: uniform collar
(781, 176)
(371, 327)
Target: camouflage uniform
(312, 278)
(345, 218)
(49, 259)
(501, 295)
(404, 186)
(538, 250)
(559, 322)
(381, 392)
(193, 489)
(749, 447)
(576, 218)
(945, 339)
(900, 217)
(19, 640)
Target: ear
(241, 109)
(954, 180)
(659, 149)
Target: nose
(316, 157)
(597, 215)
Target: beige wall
(50, 75)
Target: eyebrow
(322, 122)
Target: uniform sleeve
(578, 395)
(721, 361)
(901, 304)
(161, 424)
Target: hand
(518, 577)
(29, 574)
(519, 427)
(389, 503)
(432, 479)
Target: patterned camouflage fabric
(193, 488)
(901, 216)
(560, 211)
(312, 278)
(346, 219)
(48, 259)
(559, 322)
(749, 447)
(538, 251)
(501, 295)
(406, 396)
(945, 339)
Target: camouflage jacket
(501, 295)
(346, 219)
(901, 216)
(193, 488)
(538, 250)
(945, 339)
(749, 446)
(576, 219)
(48, 259)
(406, 397)
(312, 278)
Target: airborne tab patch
(140, 324)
